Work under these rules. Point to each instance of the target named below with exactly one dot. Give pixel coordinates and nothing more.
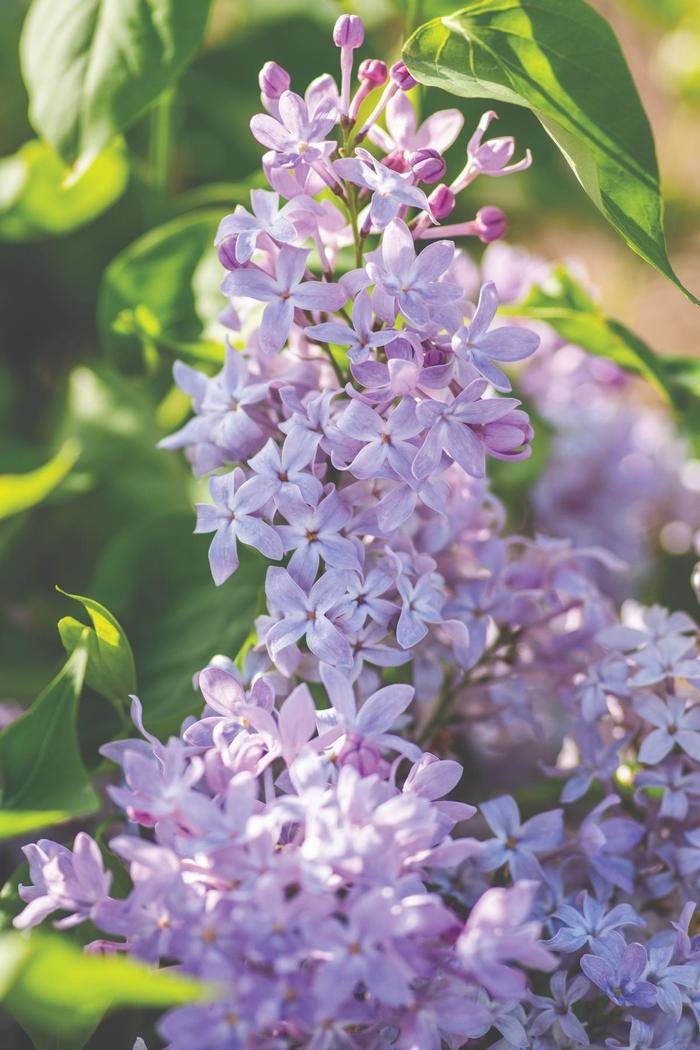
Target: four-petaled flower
(233, 517)
(617, 969)
(361, 338)
(391, 190)
(478, 348)
(305, 614)
(410, 283)
(283, 293)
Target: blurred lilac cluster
(297, 847)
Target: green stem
(160, 151)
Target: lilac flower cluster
(296, 846)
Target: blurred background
(118, 526)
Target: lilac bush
(296, 847)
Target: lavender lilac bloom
(296, 843)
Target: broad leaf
(38, 196)
(42, 769)
(564, 305)
(110, 669)
(562, 61)
(60, 993)
(19, 492)
(93, 66)
(159, 289)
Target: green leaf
(565, 306)
(44, 779)
(19, 492)
(176, 617)
(39, 196)
(110, 668)
(562, 61)
(59, 993)
(159, 289)
(93, 66)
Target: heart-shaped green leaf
(562, 61)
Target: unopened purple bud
(442, 202)
(349, 31)
(361, 754)
(490, 223)
(227, 254)
(397, 161)
(401, 76)
(273, 80)
(428, 165)
(372, 71)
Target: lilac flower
(556, 1010)
(438, 131)
(223, 429)
(421, 603)
(465, 428)
(489, 158)
(677, 725)
(688, 857)
(668, 658)
(366, 729)
(391, 190)
(408, 282)
(361, 338)
(297, 137)
(267, 218)
(607, 676)
(285, 467)
(672, 981)
(642, 1036)
(605, 841)
(314, 533)
(680, 789)
(655, 625)
(517, 844)
(364, 598)
(283, 293)
(232, 517)
(310, 419)
(497, 933)
(617, 969)
(62, 880)
(589, 925)
(386, 444)
(290, 732)
(305, 614)
(475, 346)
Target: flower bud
(428, 165)
(273, 80)
(442, 202)
(396, 160)
(401, 76)
(361, 754)
(227, 254)
(490, 224)
(349, 31)
(372, 71)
